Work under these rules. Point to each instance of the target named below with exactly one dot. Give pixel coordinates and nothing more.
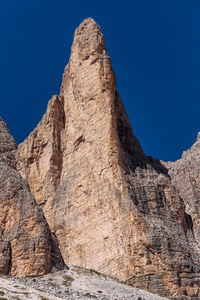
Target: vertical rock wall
(111, 207)
(26, 244)
(185, 175)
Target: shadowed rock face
(111, 207)
(26, 245)
(185, 175)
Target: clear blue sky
(155, 50)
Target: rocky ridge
(26, 243)
(111, 207)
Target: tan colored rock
(40, 156)
(26, 244)
(114, 209)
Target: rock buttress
(114, 209)
(185, 175)
(26, 245)
(39, 157)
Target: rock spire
(111, 207)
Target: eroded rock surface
(111, 207)
(26, 244)
(39, 157)
(185, 174)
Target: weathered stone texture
(111, 207)
(39, 158)
(26, 246)
(185, 175)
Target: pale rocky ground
(77, 284)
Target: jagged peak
(88, 40)
(7, 141)
(87, 25)
(88, 52)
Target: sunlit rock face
(111, 207)
(39, 157)
(26, 244)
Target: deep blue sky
(155, 50)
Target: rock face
(40, 156)
(111, 207)
(26, 244)
(185, 174)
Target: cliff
(26, 244)
(185, 175)
(111, 207)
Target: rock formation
(185, 175)
(108, 206)
(26, 244)
(40, 156)
(111, 207)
